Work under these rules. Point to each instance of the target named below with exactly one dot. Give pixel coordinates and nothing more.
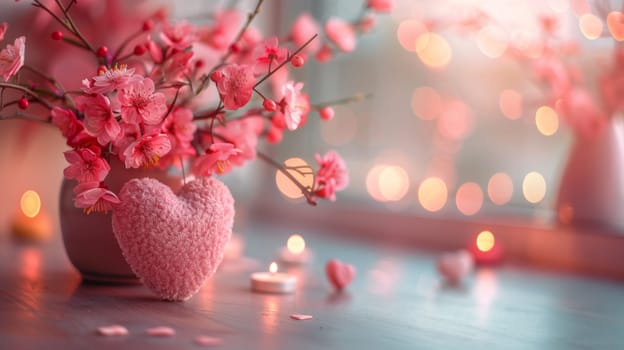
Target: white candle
(295, 251)
(273, 281)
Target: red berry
(297, 61)
(216, 76)
(199, 63)
(148, 25)
(235, 48)
(139, 50)
(326, 113)
(102, 51)
(23, 103)
(57, 35)
(269, 105)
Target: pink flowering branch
(286, 61)
(28, 91)
(68, 23)
(307, 192)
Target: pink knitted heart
(339, 273)
(455, 266)
(173, 243)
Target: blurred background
(453, 128)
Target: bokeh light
(30, 203)
(432, 194)
(456, 120)
(433, 50)
(591, 26)
(408, 32)
(426, 103)
(615, 23)
(492, 41)
(387, 183)
(546, 120)
(295, 244)
(510, 104)
(500, 188)
(485, 241)
(534, 187)
(469, 198)
(304, 174)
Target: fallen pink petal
(112, 330)
(161, 331)
(205, 340)
(300, 317)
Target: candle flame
(485, 241)
(30, 203)
(295, 244)
(273, 267)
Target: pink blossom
(269, 54)
(67, 122)
(332, 175)
(295, 105)
(216, 159)
(139, 103)
(146, 151)
(236, 85)
(85, 166)
(111, 79)
(92, 197)
(12, 58)
(98, 118)
(154, 50)
(580, 111)
(178, 36)
(220, 35)
(324, 54)
(243, 133)
(341, 33)
(179, 125)
(552, 71)
(175, 67)
(304, 28)
(367, 23)
(3, 28)
(380, 5)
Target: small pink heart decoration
(173, 243)
(455, 266)
(339, 274)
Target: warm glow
(372, 182)
(273, 267)
(426, 103)
(393, 183)
(342, 129)
(615, 23)
(534, 187)
(500, 188)
(456, 120)
(492, 41)
(408, 32)
(301, 171)
(30, 203)
(469, 198)
(295, 244)
(432, 194)
(591, 26)
(433, 50)
(485, 241)
(510, 103)
(546, 120)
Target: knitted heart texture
(173, 243)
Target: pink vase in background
(591, 191)
(88, 238)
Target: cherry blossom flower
(341, 33)
(85, 166)
(220, 35)
(380, 5)
(139, 103)
(178, 36)
(295, 105)
(553, 72)
(269, 54)
(304, 28)
(175, 67)
(107, 80)
(3, 28)
(243, 133)
(67, 122)
(98, 117)
(12, 58)
(94, 198)
(581, 112)
(236, 85)
(215, 160)
(332, 175)
(179, 125)
(146, 151)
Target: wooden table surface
(396, 302)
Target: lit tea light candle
(295, 251)
(31, 223)
(273, 281)
(234, 248)
(486, 249)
